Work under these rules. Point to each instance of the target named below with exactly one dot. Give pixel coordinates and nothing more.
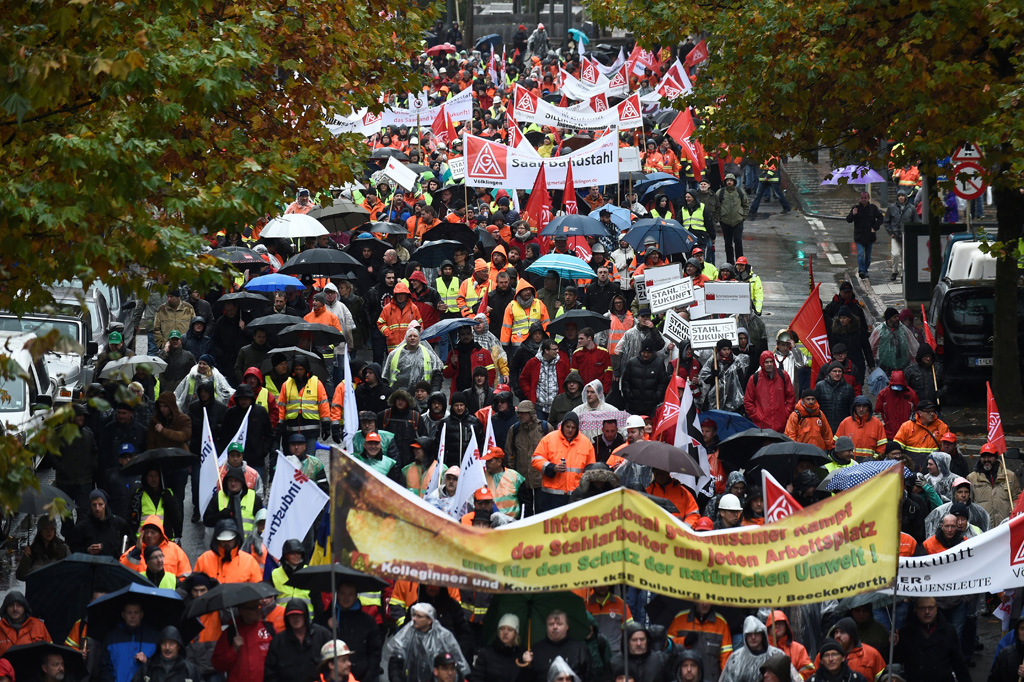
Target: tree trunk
(467, 29)
(1006, 379)
(936, 212)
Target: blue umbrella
(673, 189)
(847, 477)
(620, 216)
(669, 235)
(579, 35)
(492, 39)
(442, 330)
(652, 178)
(567, 267)
(160, 608)
(729, 423)
(574, 226)
(855, 175)
(273, 282)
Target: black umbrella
(432, 254)
(388, 228)
(342, 216)
(492, 39)
(274, 323)
(59, 592)
(26, 660)
(164, 458)
(356, 246)
(780, 460)
(417, 168)
(534, 137)
(323, 334)
(665, 117)
(160, 608)
(573, 225)
(240, 256)
(582, 318)
(386, 152)
(737, 449)
(533, 609)
(459, 232)
(245, 300)
(226, 595)
(35, 502)
(486, 239)
(457, 192)
(658, 455)
(320, 263)
(318, 579)
(316, 363)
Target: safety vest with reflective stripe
(263, 399)
(619, 329)
(288, 592)
(381, 466)
(150, 509)
(469, 294)
(168, 581)
(248, 501)
(523, 319)
(424, 353)
(694, 222)
(271, 386)
(304, 404)
(448, 292)
(504, 486)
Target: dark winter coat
(160, 669)
(497, 663)
(373, 398)
(215, 409)
(866, 223)
(359, 630)
(110, 532)
(197, 344)
(258, 439)
(178, 365)
(77, 462)
(643, 384)
(1004, 668)
(461, 431)
(855, 337)
(573, 652)
(931, 654)
(228, 340)
(290, 660)
(835, 400)
(113, 435)
(527, 349)
(920, 378)
(407, 425)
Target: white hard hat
(333, 650)
(729, 502)
(635, 421)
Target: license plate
(982, 362)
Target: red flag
(698, 54)
(809, 325)
(538, 206)
(928, 336)
(689, 149)
(682, 127)
(666, 416)
(564, 102)
(995, 423)
(483, 303)
(569, 193)
(443, 128)
(778, 503)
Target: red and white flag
(778, 503)
(667, 414)
(809, 325)
(443, 128)
(682, 127)
(538, 206)
(569, 193)
(995, 423)
(599, 102)
(698, 54)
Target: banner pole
(718, 402)
(935, 383)
(896, 579)
(1002, 458)
(334, 609)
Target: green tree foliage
(128, 127)
(788, 77)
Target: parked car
(71, 364)
(120, 308)
(26, 399)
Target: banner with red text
(840, 547)
(492, 164)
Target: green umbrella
(532, 610)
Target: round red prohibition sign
(968, 178)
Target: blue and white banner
(295, 503)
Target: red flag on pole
(689, 149)
(698, 54)
(995, 423)
(778, 503)
(928, 336)
(483, 304)
(538, 206)
(667, 414)
(809, 325)
(569, 193)
(682, 127)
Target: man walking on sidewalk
(866, 219)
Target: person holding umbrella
(241, 651)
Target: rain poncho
(711, 511)
(893, 348)
(404, 366)
(943, 483)
(977, 516)
(602, 405)
(410, 653)
(731, 382)
(558, 668)
(222, 390)
(744, 665)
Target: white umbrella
(126, 367)
(293, 226)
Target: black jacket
(258, 438)
(497, 663)
(527, 349)
(289, 660)
(110, 532)
(77, 462)
(1004, 668)
(373, 398)
(835, 400)
(216, 410)
(497, 301)
(359, 630)
(575, 653)
(407, 425)
(113, 436)
(855, 337)
(461, 430)
(158, 669)
(598, 297)
(866, 223)
(228, 340)
(931, 654)
(643, 384)
(915, 510)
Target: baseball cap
(948, 437)
(372, 437)
(115, 337)
(238, 447)
(494, 452)
(453, 471)
(175, 334)
(296, 438)
(127, 449)
(444, 658)
(483, 494)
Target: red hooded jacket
(768, 401)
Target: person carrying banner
(507, 485)
(993, 486)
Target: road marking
(833, 256)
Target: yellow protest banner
(842, 546)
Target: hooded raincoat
(410, 653)
(745, 665)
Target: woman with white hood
(940, 476)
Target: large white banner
(492, 164)
(989, 562)
(625, 115)
(366, 123)
(574, 88)
(295, 503)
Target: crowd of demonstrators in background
(564, 399)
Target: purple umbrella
(855, 175)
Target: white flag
(471, 478)
(240, 437)
(209, 480)
(349, 406)
(295, 503)
(582, 49)
(435, 480)
(489, 440)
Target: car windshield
(40, 327)
(12, 394)
(971, 311)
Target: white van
(25, 400)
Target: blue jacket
(120, 648)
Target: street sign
(968, 178)
(968, 152)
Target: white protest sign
(401, 174)
(457, 166)
(697, 309)
(652, 276)
(295, 503)
(672, 294)
(707, 333)
(629, 159)
(677, 329)
(727, 298)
